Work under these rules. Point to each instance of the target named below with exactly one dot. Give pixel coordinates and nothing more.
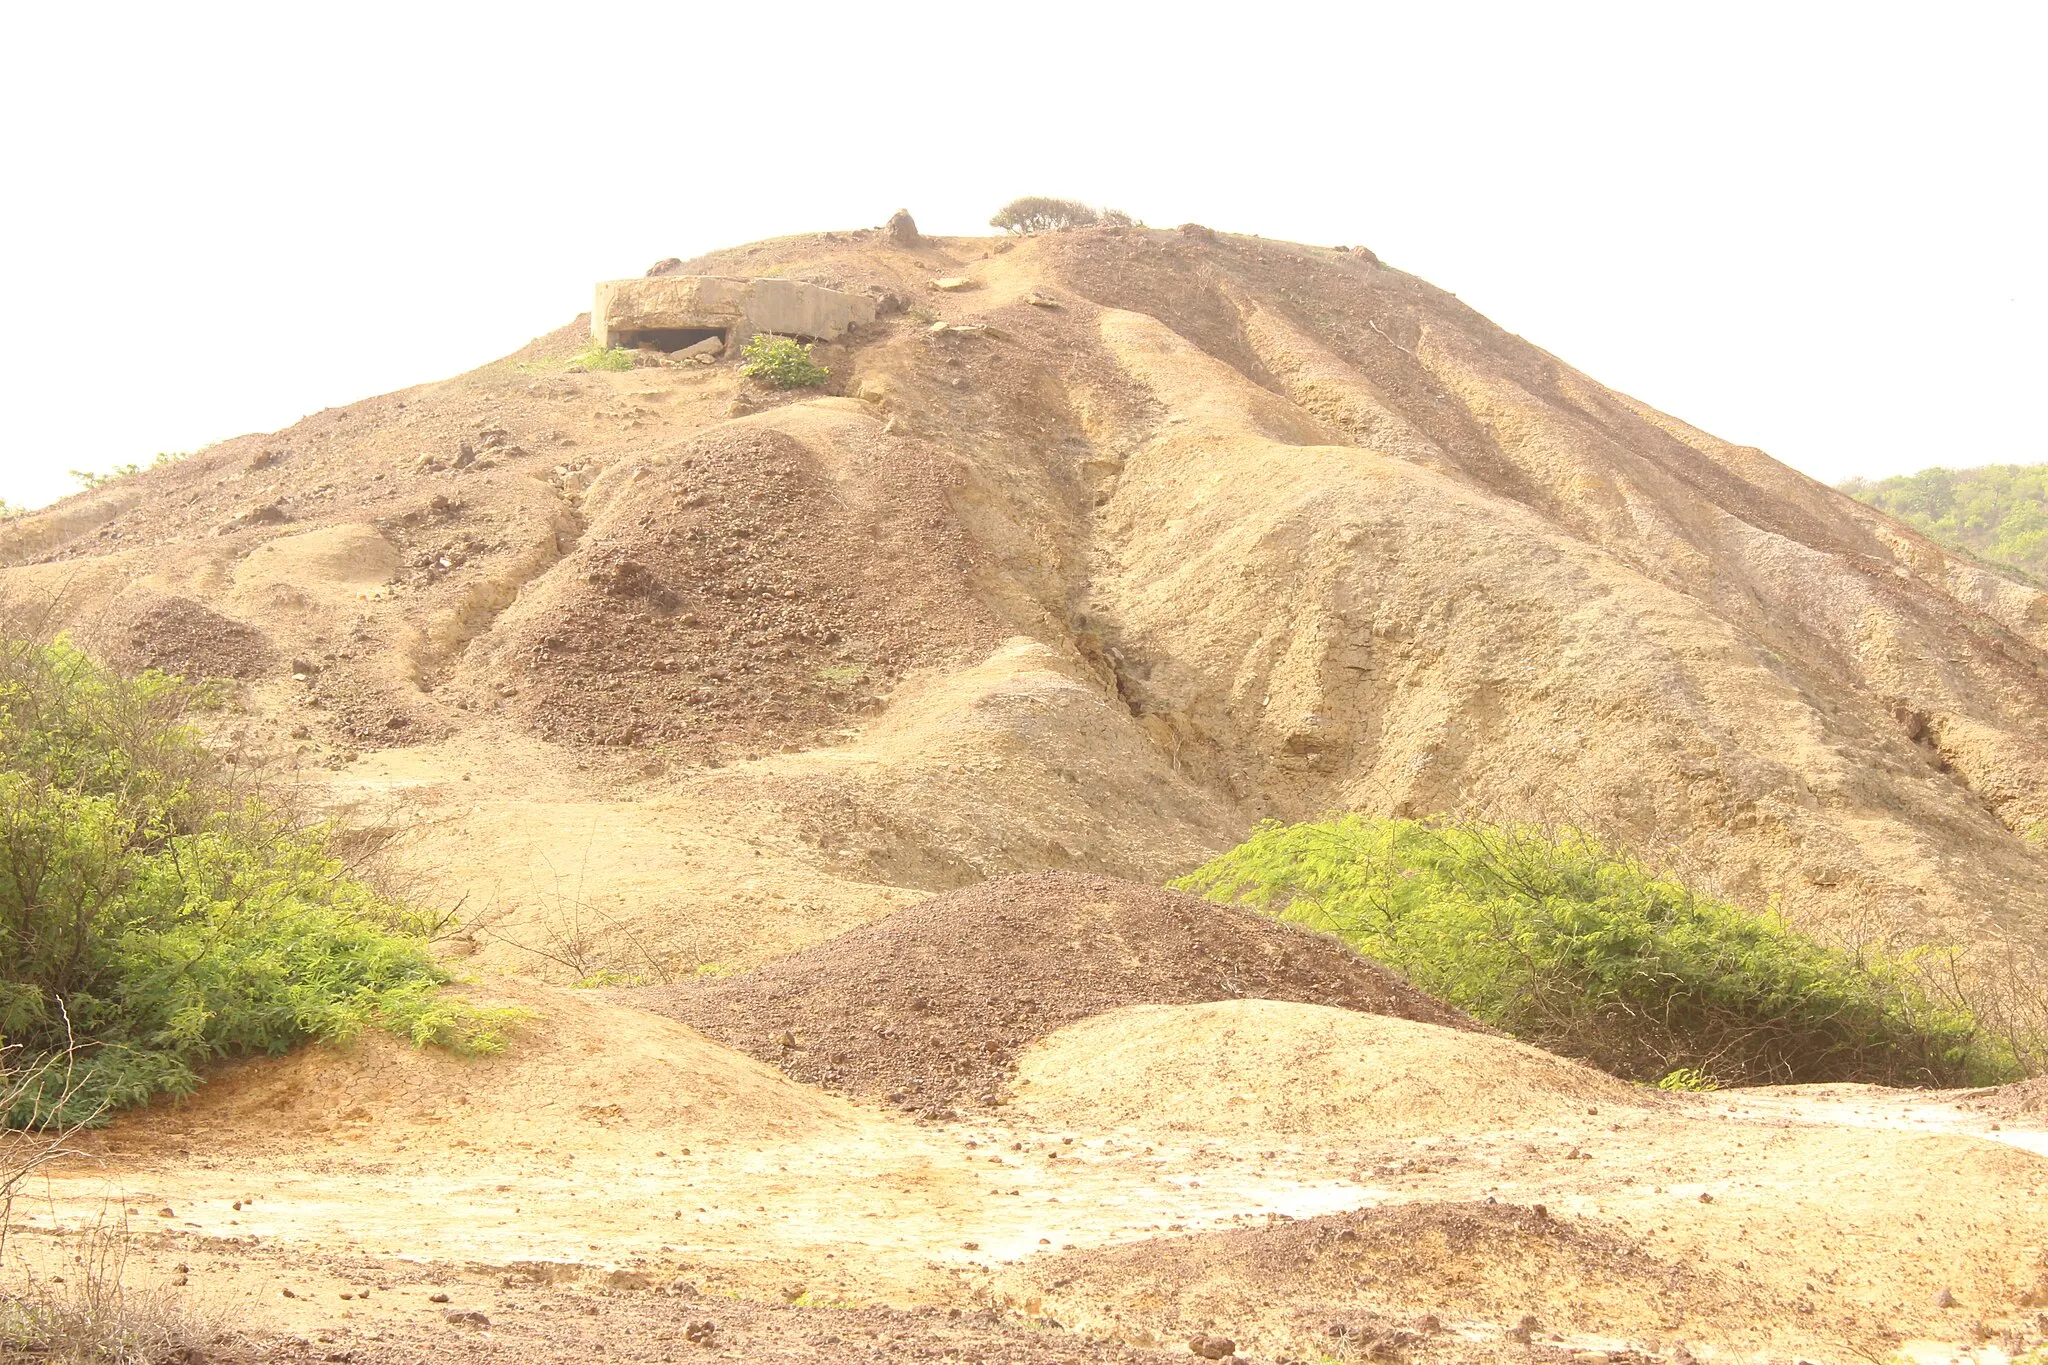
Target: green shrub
(1997, 514)
(602, 358)
(154, 917)
(1566, 944)
(781, 362)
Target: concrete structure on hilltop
(675, 312)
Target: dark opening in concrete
(670, 338)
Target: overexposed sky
(1814, 228)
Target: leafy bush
(1037, 213)
(781, 362)
(153, 916)
(1581, 950)
(1998, 513)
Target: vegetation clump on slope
(1584, 951)
(1042, 213)
(154, 916)
(1997, 513)
(781, 362)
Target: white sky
(1814, 228)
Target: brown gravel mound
(929, 1007)
(178, 635)
(2020, 1100)
(1381, 1283)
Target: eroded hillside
(662, 671)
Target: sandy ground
(1823, 1220)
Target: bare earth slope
(1235, 528)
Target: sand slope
(1250, 1069)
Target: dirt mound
(580, 1071)
(930, 1006)
(1436, 568)
(1438, 1279)
(181, 636)
(742, 593)
(2022, 1100)
(1239, 1067)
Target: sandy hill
(666, 673)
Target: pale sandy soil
(619, 1150)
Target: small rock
(953, 284)
(1041, 301)
(1944, 1298)
(1198, 232)
(437, 1298)
(667, 265)
(901, 229)
(460, 1317)
(268, 514)
(1212, 1348)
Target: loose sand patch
(1270, 1068)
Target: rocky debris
(263, 514)
(667, 265)
(565, 1324)
(929, 1007)
(180, 636)
(753, 615)
(1212, 1347)
(901, 229)
(2021, 1099)
(709, 346)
